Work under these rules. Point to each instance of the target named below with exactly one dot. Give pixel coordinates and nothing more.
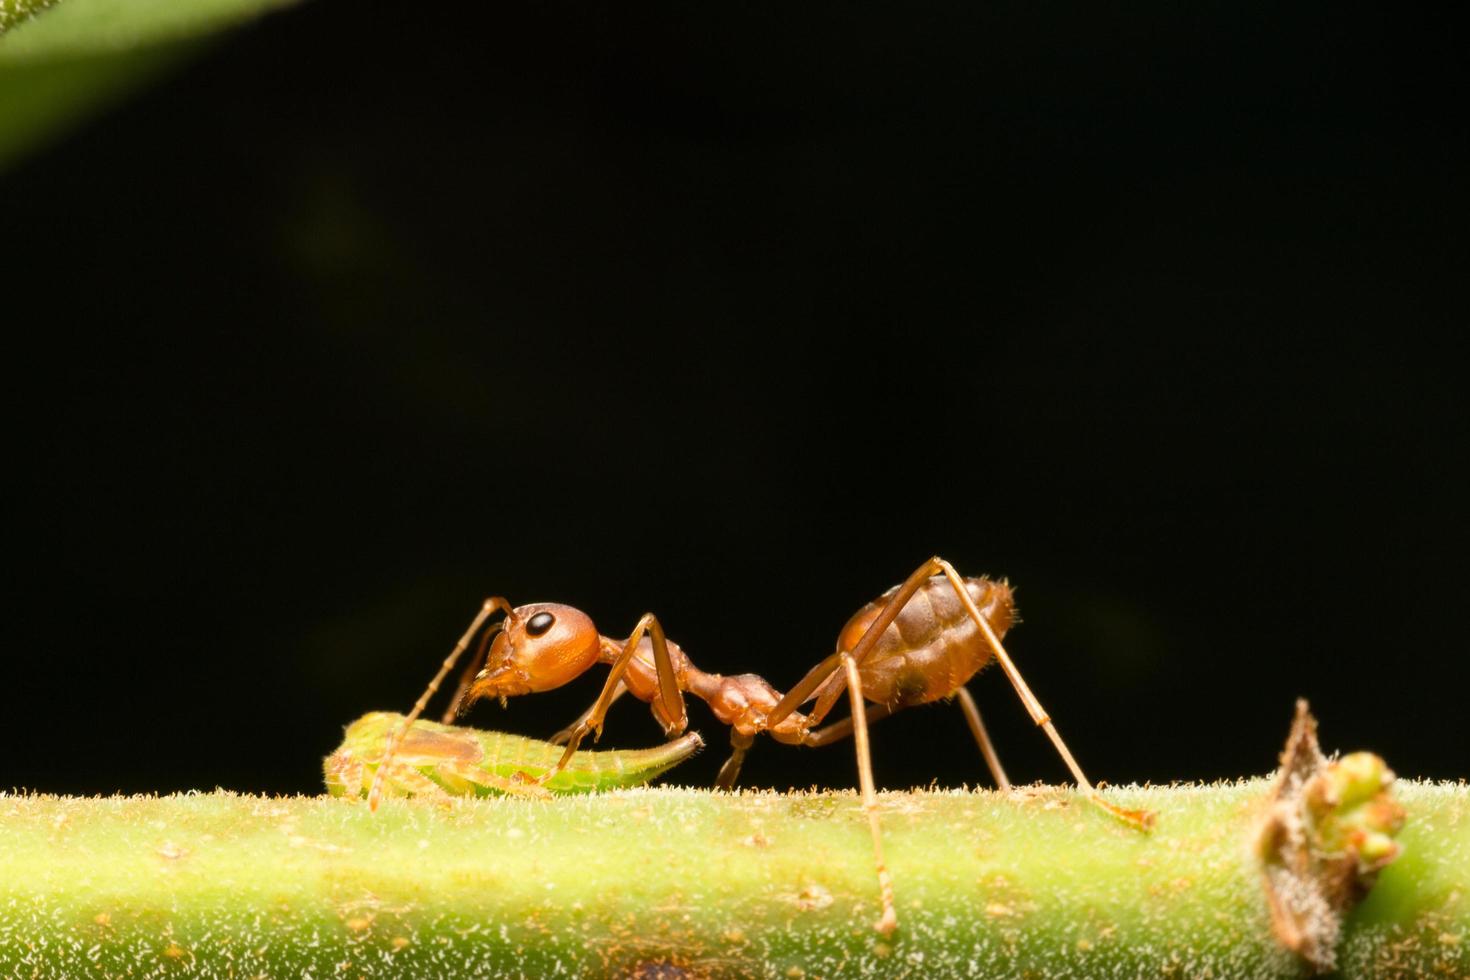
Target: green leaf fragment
(59, 62)
(435, 759)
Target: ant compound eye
(540, 623)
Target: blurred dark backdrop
(738, 316)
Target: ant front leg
(491, 605)
(475, 664)
(565, 735)
(670, 697)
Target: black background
(737, 317)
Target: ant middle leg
(730, 771)
(839, 730)
(826, 735)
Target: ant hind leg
(1142, 819)
(982, 738)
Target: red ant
(895, 652)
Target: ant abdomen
(932, 646)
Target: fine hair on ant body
(919, 642)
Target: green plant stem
(751, 884)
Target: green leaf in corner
(60, 60)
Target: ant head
(540, 647)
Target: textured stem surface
(675, 882)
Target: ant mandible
(895, 652)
